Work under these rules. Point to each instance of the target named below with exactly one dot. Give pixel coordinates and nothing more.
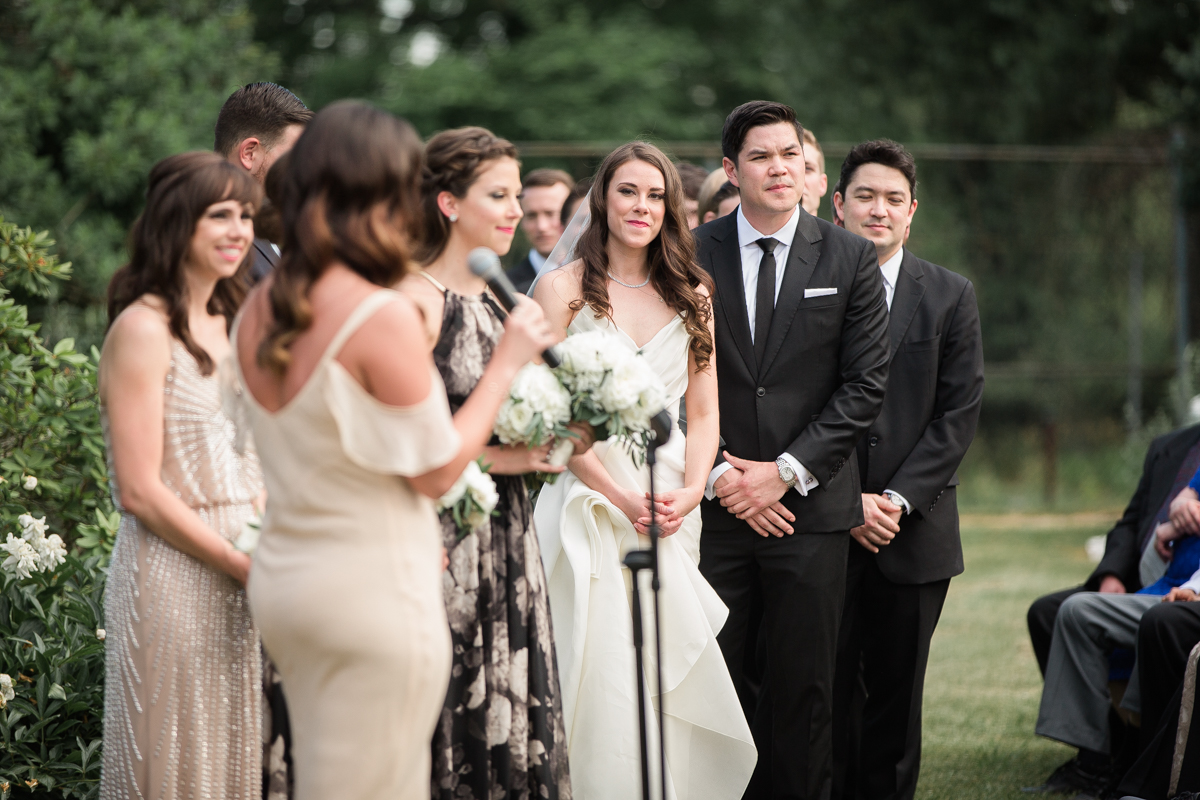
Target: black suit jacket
(1122, 550)
(823, 375)
(522, 274)
(928, 419)
(265, 260)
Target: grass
(983, 686)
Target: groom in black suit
(908, 548)
(802, 361)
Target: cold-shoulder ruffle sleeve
(392, 440)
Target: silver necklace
(629, 285)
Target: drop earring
(454, 217)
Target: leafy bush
(52, 465)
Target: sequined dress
(183, 679)
(501, 731)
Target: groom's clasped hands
(752, 491)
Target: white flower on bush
(535, 391)
(471, 499)
(34, 551)
(22, 559)
(101, 633)
(6, 690)
(30, 483)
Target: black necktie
(764, 298)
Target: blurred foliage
(52, 466)
(95, 92)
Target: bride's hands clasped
(670, 510)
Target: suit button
(761, 391)
(874, 440)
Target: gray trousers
(1075, 699)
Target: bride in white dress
(635, 277)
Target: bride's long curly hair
(674, 273)
(349, 191)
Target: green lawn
(983, 686)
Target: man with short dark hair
(543, 192)
(801, 349)
(693, 178)
(257, 125)
(908, 548)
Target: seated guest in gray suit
(543, 192)
(258, 124)
(908, 548)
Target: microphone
(484, 263)
(660, 423)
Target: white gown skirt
(710, 752)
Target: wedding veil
(564, 252)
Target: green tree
(95, 92)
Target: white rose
(30, 483)
(455, 492)
(101, 633)
(6, 690)
(520, 418)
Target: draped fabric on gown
(346, 582)
(183, 677)
(710, 752)
(501, 735)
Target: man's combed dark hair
(754, 114)
(348, 192)
(880, 151)
(546, 177)
(181, 188)
(262, 110)
(453, 161)
(672, 257)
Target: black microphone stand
(636, 561)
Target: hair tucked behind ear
(453, 161)
(181, 187)
(347, 192)
(671, 258)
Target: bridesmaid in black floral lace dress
(501, 732)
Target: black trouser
(1041, 623)
(883, 649)
(800, 580)
(1166, 636)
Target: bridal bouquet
(536, 410)
(471, 500)
(612, 389)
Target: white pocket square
(819, 292)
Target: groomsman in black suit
(258, 124)
(802, 354)
(908, 547)
(543, 192)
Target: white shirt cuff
(903, 502)
(717, 471)
(804, 479)
(1193, 583)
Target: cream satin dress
(346, 584)
(710, 752)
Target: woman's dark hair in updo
(453, 161)
(181, 188)
(347, 192)
(674, 273)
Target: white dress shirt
(752, 256)
(891, 274)
(536, 259)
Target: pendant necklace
(629, 285)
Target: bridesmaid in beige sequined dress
(356, 438)
(182, 716)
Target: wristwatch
(786, 473)
(895, 498)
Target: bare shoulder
(429, 302)
(561, 285)
(142, 327)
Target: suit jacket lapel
(802, 259)
(726, 260)
(909, 291)
(268, 252)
